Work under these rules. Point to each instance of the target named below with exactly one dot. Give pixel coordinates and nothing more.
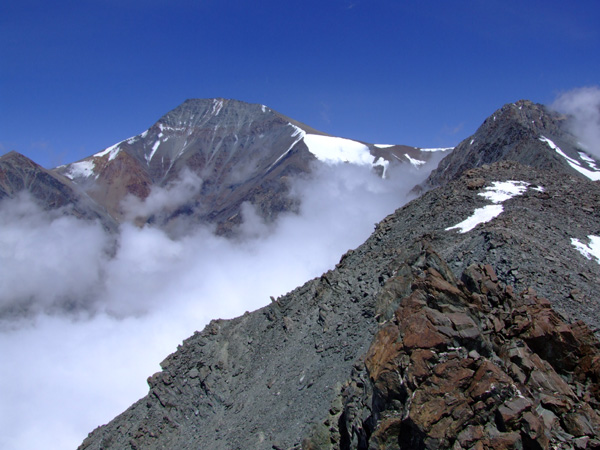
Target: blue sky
(78, 76)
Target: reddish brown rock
(471, 365)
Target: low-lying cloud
(583, 107)
(144, 291)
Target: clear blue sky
(78, 76)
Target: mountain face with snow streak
(524, 132)
(19, 174)
(238, 152)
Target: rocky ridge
(297, 373)
(467, 364)
(50, 190)
(237, 152)
(517, 132)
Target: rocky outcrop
(467, 364)
(513, 133)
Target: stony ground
(280, 376)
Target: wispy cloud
(141, 292)
(583, 107)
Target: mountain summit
(237, 152)
(464, 322)
(524, 132)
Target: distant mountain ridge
(20, 174)
(241, 152)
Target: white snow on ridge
(413, 161)
(154, 148)
(590, 162)
(163, 127)
(504, 190)
(113, 150)
(383, 163)
(589, 251)
(439, 149)
(82, 169)
(593, 175)
(384, 145)
(480, 215)
(334, 150)
(499, 192)
(298, 133)
(217, 106)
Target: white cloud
(163, 200)
(48, 259)
(583, 105)
(154, 291)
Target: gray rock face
(52, 191)
(512, 133)
(238, 152)
(274, 377)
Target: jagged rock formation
(467, 365)
(516, 132)
(305, 371)
(18, 174)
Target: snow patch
(335, 150)
(499, 192)
(154, 148)
(82, 169)
(217, 106)
(383, 163)
(438, 149)
(589, 251)
(593, 175)
(264, 108)
(384, 145)
(413, 161)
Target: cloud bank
(144, 291)
(583, 107)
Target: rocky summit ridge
(422, 337)
(235, 152)
(523, 132)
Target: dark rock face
(238, 152)
(453, 364)
(464, 364)
(512, 133)
(52, 191)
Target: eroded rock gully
(467, 364)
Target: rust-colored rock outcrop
(471, 365)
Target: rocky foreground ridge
(468, 363)
(391, 350)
